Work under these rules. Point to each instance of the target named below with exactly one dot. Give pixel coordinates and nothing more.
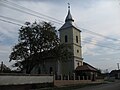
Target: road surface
(109, 86)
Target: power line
(11, 19)
(97, 34)
(58, 20)
(88, 31)
(96, 44)
(26, 12)
(85, 41)
(17, 5)
(37, 16)
(10, 22)
(20, 25)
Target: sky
(99, 21)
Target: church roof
(68, 21)
(69, 17)
(67, 25)
(86, 67)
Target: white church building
(69, 35)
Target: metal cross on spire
(68, 5)
(69, 16)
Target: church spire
(68, 20)
(69, 16)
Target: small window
(66, 38)
(76, 39)
(77, 51)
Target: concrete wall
(18, 80)
(59, 83)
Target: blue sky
(101, 16)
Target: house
(115, 73)
(4, 68)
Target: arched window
(66, 38)
(76, 39)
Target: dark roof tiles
(86, 67)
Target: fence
(73, 77)
(18, 81)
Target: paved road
(110, 86)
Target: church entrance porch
(86, 72)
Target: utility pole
(1, 66)
(118, 66)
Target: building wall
(48, 67)
(76, 32)
(77, 48)
(17, 80)
(25, 82)
(51, 66)
(67, 67)
(77, 62)
(71, 33)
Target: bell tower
(70, 35)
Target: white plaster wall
(76, 33)
(72, 33)
(53, 64)
(77, 46)
(45, 69)
(69, 33)
(67, 67)
(77, 54)
(16, 80)
(76, 60)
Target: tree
(36, 43)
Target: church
(69, 35)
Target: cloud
(101, 16)
(4, 49)
(105, 61)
